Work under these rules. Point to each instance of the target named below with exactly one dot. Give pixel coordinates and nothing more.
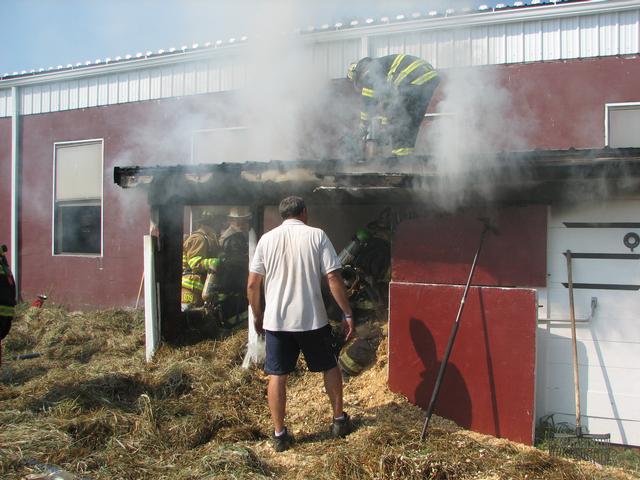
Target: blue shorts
(283, 349)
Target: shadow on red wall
(457, 406)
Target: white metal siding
(524, 40)
(5, 99)
(609, 345)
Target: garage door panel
(599, 271)
(612, 354)
(609, 211)
(592, 240)
(617, 315)
(594, 404)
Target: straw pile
(91, 406)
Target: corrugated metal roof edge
(196, 52)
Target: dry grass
(91, 406)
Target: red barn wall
(489, 385)
(148, 133)
(560, 104)
(566, 99)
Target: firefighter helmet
(206, 218)
(352, 70)
(355, 69)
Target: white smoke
(475, 122)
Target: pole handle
(452, 337)
(574, 344)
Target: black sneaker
(342, 427)
(282, 442)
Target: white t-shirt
(293, 258)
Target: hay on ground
(91, 405)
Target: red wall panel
(489, 382)
(441, 249)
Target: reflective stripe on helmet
(351, 72)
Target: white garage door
(607, 270)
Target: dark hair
(291, 207)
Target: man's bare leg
(333, 386)
(277, 397)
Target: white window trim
(607, 109)
(209, 130)
(53, 203)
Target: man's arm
(254, 292)
(339, 293)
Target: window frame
(209, 130)
(55, 202)
(608, 107)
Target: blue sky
(43, 33)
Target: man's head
(292, 207)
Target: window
(220, 145)
(77, 216)
(622, 123)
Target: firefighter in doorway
(396, 91)
(200, 254)
(232, 275)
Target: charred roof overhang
(513, 177)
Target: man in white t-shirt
(291, 260)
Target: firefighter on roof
(396, 89)
(200, 253)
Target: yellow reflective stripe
(350, 364)
(367, 92)
(384, 120)
(7, 311)
(208, 262)
(403, 74)
(402, 151)
(422, 79)
(364, 116)
(394, 66)
(191, 284)
(194, 261)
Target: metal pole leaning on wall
(454, 331)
